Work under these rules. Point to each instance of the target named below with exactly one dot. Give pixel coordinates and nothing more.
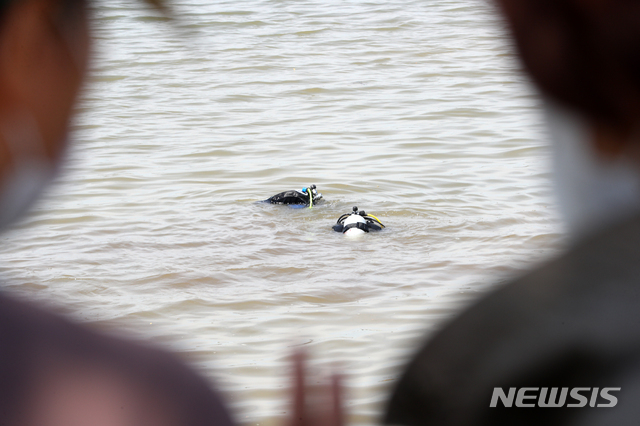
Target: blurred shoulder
(575, 317)
(46, 354)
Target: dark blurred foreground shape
(575, 321)
(54, 372)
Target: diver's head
(313, 193)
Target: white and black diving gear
(357, 222)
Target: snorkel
(373, 217)
(310, 191)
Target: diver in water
(308, 197)
(357, 222)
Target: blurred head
(584, 57)
(585, 54)
(44, 51)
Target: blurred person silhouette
(572, 324)
(54, 372)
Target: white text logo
(554, 397)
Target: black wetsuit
(289, 197)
